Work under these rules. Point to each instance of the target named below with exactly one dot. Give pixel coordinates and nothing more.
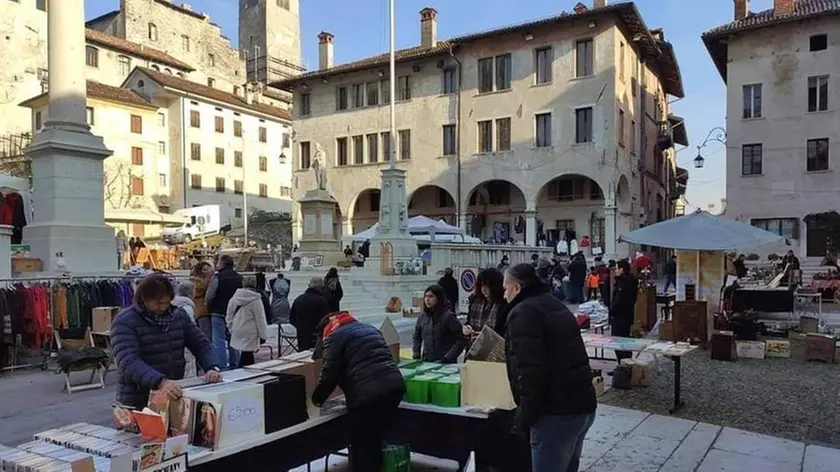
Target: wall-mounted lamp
(529, 36)
(282, 158)
(416, 67)
(325, 80)
(304, 86)
(715, 134)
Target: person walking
(200, 276)
(438, 336)
(623, 306)
(148, 340)
(222, 286)
(450, 289)
(245, 318)
(356, 358)
(670, 273)
(307, 311)
(548, 371)
(333, 290)
(184, 294)
(280, 307)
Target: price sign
(242, 413)
(175, 464)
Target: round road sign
(468, 280)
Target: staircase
(810, 266)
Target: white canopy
(702, 231)
(421, 227)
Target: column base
(87, 249)
(405, 246)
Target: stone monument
(318, 208)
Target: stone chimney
(428, 27)
(600, 3)
(783, 7)
(325, 50)
(742, 9)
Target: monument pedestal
(318, 209)
(392, 235)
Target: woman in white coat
(246, 321)
(185, 300)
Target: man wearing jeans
(221, 289)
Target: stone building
(781, 124)
(554, 127)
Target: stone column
(67, 158)
(346, 226)
(530, 228)
(610, 235)
(393, 218)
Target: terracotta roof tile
(134, 49)
(104, 92)
(803, 9)
(184, 85)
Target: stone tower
(269, 39)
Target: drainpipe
(458, 209)
(184, 149)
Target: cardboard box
(640, 372)
(598, 385)
(392, 337)
(777, 348)
(486, 384)
(102, 317)
(750, 349)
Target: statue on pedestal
(319, 168)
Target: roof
(107, 16)
(715, 39)
(678, 130)
(103, 92)
(184, 85)
(650, 46)
(181, 9)
(128, 47)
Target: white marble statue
(319, 167)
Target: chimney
(742, 9)
(325, 50)
(783, 7)
(600, 3)
(428, 27)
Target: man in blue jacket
(148, 340)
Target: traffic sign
(468, 280)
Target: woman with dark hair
(548, 371)
(487, 303)
(623, 304)
(438, 336)
(148, 340)
(200, 276)
(333, 290)
(262, 289)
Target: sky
(682, 20)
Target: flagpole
(393, 87)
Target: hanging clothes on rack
(13, 214)
(25, 310)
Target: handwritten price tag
(243, 413)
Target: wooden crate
(26, 264)
(820, 347)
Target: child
(592, 284)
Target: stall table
(761, 299)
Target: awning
(678, 130)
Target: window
(195, 181)
(283, 4)
(818, 93)
(341, 152)
(153, 33)
(358, 91)
(503, 134)
(237, 158)
(372, 91)
(621, 127)
(220, 155)
(405, 144)
(817, 154)
(358, 150)
(485, 75)
(39, 121)
(195, 119)
(211, 82)
(485, 136)
(632, 136)
(785, 227)
(161, 182)
(450, 145)
(195, 151)
(305, 156)
(504, 71)
(752, 101)
(819, 42)
(501, 79)
(41, 5)
(543, 60)
(341, 98)
(264, 190)
(583, 125)
(136, 124)
(386, 146)
(236, 90)
(751, 159)
(237, 213)
(161, 120)
(305, 104)
(136, 156)
(237, 128)
(385, 87)
(161, 148)
(237, 187)
(91, 56)
(622, 61)
(211, 60)
(91, 116)
(404, 88)
(263, 163)
(543, 131)
(137, 186)
(450, 81)
(185, 43)
(125, 65)
(285, 191)
(220, 124)
(583, 58)
(220, 184)
(263, 134)
(373, 147)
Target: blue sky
(360, 28)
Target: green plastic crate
(408, 364)
(448, 370)
(407, 373)
(446, 391)
(396, 459)
(427, 367)
(418, 388)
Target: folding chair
(288, 335)
(77, 353)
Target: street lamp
(715, 134)
(282, 158)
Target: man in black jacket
(308, 309)
(222, 286)
(357, 359)
(623, 306)
(670, 273)
(450, 289)
(577, 278)
(548, 371)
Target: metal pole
(393, 72)
(244, 188)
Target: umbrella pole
(697, 280)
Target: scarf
(336, 321)
(162, 320)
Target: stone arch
(433, 201)
(623, 197)
(363, 211)
(569, 207)
(495, 210)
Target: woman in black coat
(623, 304)
(333, 290)
(438, 336)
